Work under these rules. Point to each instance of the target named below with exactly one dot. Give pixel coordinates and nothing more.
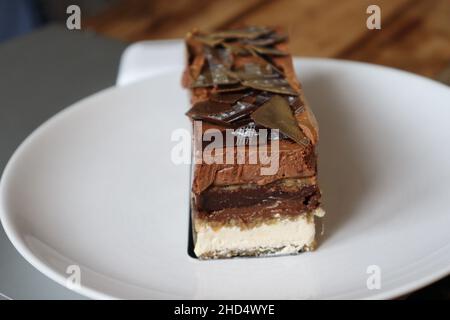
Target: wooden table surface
(414, 35)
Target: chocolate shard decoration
(296, 104)
(238, 111)
(214, 75)
(252, 32)
(256, 98)
(222, 113)
(203, 80)
(261, 98)
(226, 57)
(280, 86)
(218, 67)
(266, 60)
(241, 96)
(237, 49)
(268, 51)
(206, 108)
(228, 97)
(232, 88)
(240, 49)
(208, 40)
(220, 76)
(254, 71)
(277, 114)
(268, 40)
(242, 122)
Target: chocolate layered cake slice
(254, 181)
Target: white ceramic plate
(95, 187)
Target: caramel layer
(251, 216)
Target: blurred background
(415, 34)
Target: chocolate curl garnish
(277, 114)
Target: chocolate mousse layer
(293, 162)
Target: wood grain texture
(321, 28)
(417, 40)
(414, 35)
(135, 20)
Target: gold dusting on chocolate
(280, 86)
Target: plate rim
(16, 238)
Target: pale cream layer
(285, 237)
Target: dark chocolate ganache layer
(217, 198)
